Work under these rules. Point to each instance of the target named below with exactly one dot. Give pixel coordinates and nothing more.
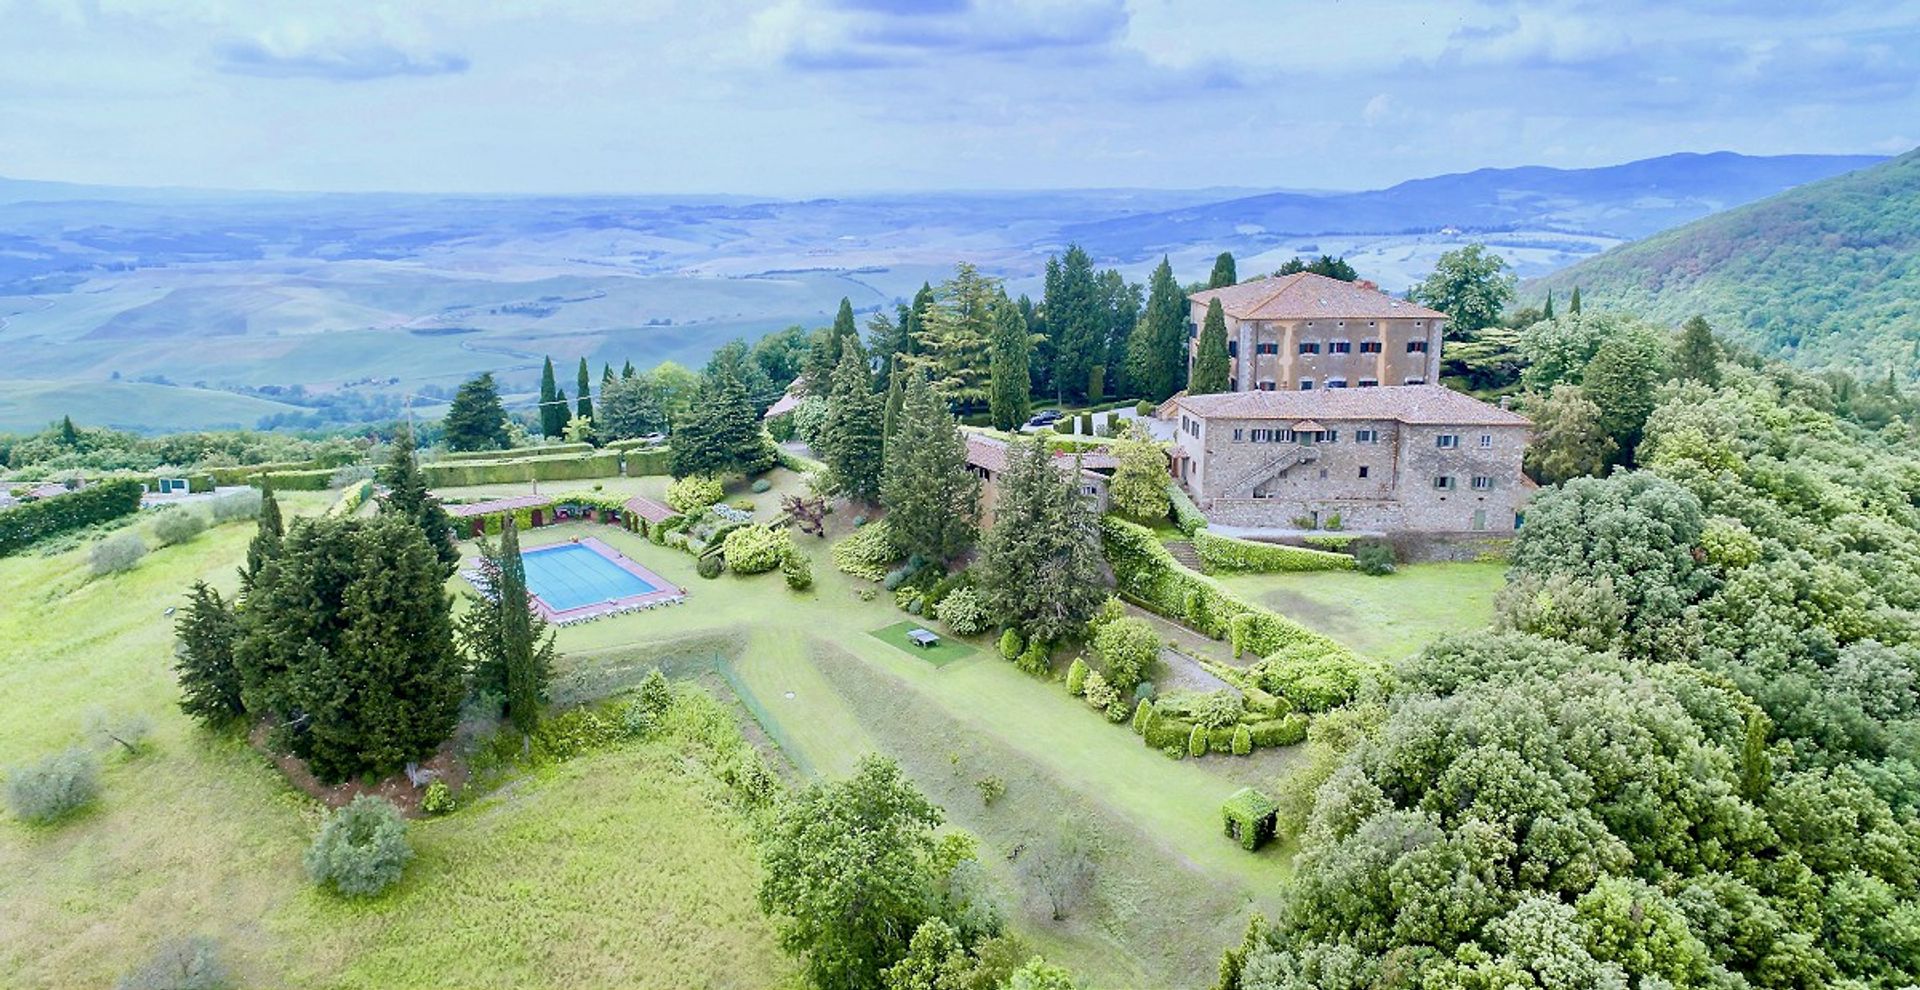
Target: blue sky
(805, 97)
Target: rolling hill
(1826, 275)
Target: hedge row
(24, 525)
(1226, 553)
(242, 474)
(1186, 515)
(310, 480)
(564, 467)
(651, 461)
(351, 499)
(516, 453)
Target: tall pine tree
(1008, 371)
(1157, 354)
(1696, 357)
(853, 436)
(1210, 368)
(583, 394)
(1224, 273)
(553, 410)
(203, 660)
(1075, 324)
(407, 496)
(476, 420)
(896, 397)
(509, 644)
(1040, 567)
(266, 538)
(931, 498)
(721, 433)
(955, 336)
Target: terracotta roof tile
(650, 510)
(1414, 404)
(1306, 296)
(469, 509)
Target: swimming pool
(572, 580)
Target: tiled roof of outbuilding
(1306, 296)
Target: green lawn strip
(1389, 617)
(939, 654)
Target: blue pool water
(571, 576)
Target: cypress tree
(1158, 364)
(1210, 368)
(526, 660)
(606, 374)
(1697, 356)
(896, 397)
(1075, 323)
(845, 330)
(1007, 368)
(69, 437)
(583, 394)
(854, 433)
(628, 371)
(1573, 305)
(389, 692)
(203, 660)
(931, 497)
(266, 539)
(1546, 313)
(553, 415)
(476, 420)
(1223, 272)
(1040, 567)
(408, 496)
(292, 615)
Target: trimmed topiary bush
(1226, 553)
(53, 788)
(709, 566)
(1167, 733)
(756, 549)
(964, 612)
(1128, 649)
(362, 849)
(1142, 714)
(1076, 677)
(26, 524)
(116, 554)
(1035, 659)
(694, 492)
(1287, 731)
(1242, 741)
(1248, 817)
(1197, 741)
(797, 568)
(1010, 645)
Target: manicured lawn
(939, 654)
(1387, 617)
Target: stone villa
(1303, 332)
(1333, 419)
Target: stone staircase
(1184, 552)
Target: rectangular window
(1283, 436)
(1236, 435)
(1340, 347)
(1336, 383)
(1331, 436)
(1416, 347)
(1366, 436)
(1306, 384)
(1260, 436)
(1369, 382)
(1444, 482)
(1482, 483)
(1369, 347)
(1309, 347)
(1363, 470)
(1486, 441)
(1233, 348)
(1266, 386)
(1267, 347)
(1416, 381)
(1447, 441)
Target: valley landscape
(964, 495)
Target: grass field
(1387, 617)
(939, 654)
(619, 868)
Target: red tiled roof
(648, 509)
(470, 509)
(991, 453)
(1415, 404)
(1306, 296)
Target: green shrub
(686, 495)
(180, 964)
(1197, 741)
(1142, 714)
(1287, 731)
(178, 526)
(116, 554)
(1086, 424)
(438, 799)
(1186, 515)
(1242, 741)
(53, 788)
(1163, 733)
(1076, 677)
(797, 568)
(1063, 425)
(741, 504)
(761, 486)
(1375, 558)
(362, 849)
(1010, 645)
(756, 549)
(990, 788)
(709, 566)
(577, 731)
(1314, 681)
(1248, 817)
(1333, 542)
(29, 523)
(1143, 408)
(656, 695)
(1097, 691)
(1226, 553)
(1220, 739)
(964, 611)
(1128, 649)
(867, 553)
(1035, 659)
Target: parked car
(1045, 417)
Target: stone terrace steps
(1184, 552)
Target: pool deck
(665, 592)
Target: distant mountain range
(326, 307)
(1827, 274)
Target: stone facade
(1304, 331)
(1393, 459)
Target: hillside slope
(1826, 275)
